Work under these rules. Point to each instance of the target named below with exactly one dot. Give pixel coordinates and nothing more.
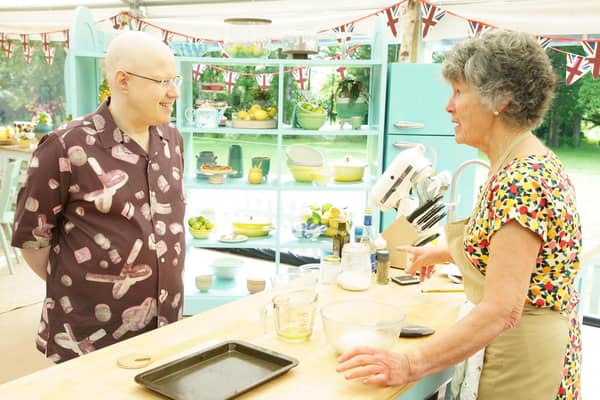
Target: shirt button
(162, 259)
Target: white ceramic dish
(302, 154)
(226, 267)
(233, 238)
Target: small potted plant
(351, 100)
(43, 123)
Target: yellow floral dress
(536, 192)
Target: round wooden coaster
(134, 361)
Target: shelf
(263, 242)
(328, 130)
(275, 62)
(290, 184)
(229, 184)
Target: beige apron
(525, 362)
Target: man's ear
(122, 81)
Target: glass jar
(247, 37)
(330, 268)
(355, 271)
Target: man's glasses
(164, 83)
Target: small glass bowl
(303, 230)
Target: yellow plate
(253, 232)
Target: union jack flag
(577, 66)
(66, 32)
(198, 70)
(28, 53)
(543, 41)
(430, 16)
(301, 76)
(230, 80)
(8, 48)
(593, 59)
(138, 24)
(167, 36)
(477, 28)
(264, 81)
(392, 15)
(25, 42)
(49, 55)
(346, 28)
(3, 40)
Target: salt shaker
(383, 266)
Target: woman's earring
(496, 113)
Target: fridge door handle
(407, 145)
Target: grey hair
(503, 66)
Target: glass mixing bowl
(352, 323)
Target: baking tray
(223, 371)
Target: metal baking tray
(223, 371)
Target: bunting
(28, 53)
(230, 80)
(345, 28)
(24, 42)
(301, 76)
(577, 66)
(593, 56)
(198, 70)
(167, 36)
(392, 15)
(544, 42)
(477, 28)
(8, 48)
(264, 81)
(430, 16)
(66, 32)
(3, 40)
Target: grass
(585, 158)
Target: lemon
(334, 212)
(272, 111)
(255, 107)
(260, 115)
(242, 114)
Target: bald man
(100, 217)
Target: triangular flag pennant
(167, 36)
(593, 56)
(392, 16)
(544, 42)
(577, 66)
(301, 76)
(230, 79)
(477, 28)
(49, 55)
(115, 22)
(264, 81)
(346, 28)
(198, 70)
(138, 24)
(28, 53)
(3, 40)
(342, 71)
(9, 49)
(45, 43)
(25, 42)
(430, 16)
(66, 32)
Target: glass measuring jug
(293, 315)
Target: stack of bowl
(310, 117)
(304, 162)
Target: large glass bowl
(247, 37)
(352, 323)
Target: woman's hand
(424, 259)
(375, 366)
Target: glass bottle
(367, 236)
(340, 238)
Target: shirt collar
(109, 134)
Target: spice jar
(330, 268)
(383, 266)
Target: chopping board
(399, 233)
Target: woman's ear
(506, 99)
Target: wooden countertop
(314, 378)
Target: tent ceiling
(204, 18)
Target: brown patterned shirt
(113, 216)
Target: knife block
(399, 233)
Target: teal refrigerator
(417, 96)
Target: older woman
(518, 252)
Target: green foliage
(27, 89)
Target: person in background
(519, 252)
(100, 217)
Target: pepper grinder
(235, 160)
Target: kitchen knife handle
(433, 221)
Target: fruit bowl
(352, 323)
(312, 121)
(200, 233)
